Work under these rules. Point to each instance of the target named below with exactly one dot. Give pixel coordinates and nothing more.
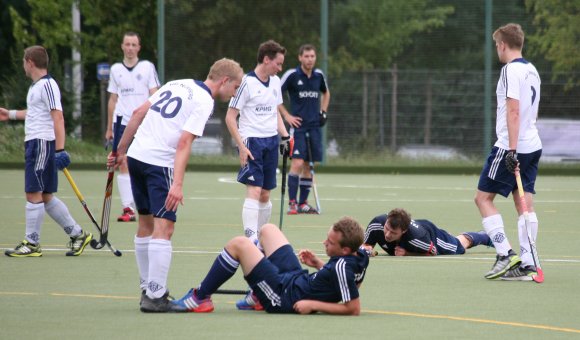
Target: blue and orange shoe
(192, 303)
(250, 302)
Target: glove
(511, 161)
(286, 146)
(61, 159)
(322, 118)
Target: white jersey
(180, 105)
(519, 80)
(258, 104)
(43, 97)
(132, 85)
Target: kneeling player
(399, 235)
(277, 279)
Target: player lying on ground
(399, 235)
(277, 280)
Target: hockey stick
(105, 216)
(284, 165)
(539, 278)
(232, 291)
(84, 203)
(311, 164)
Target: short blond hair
(225, 68)
(511, 34)
(352, 232)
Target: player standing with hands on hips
(44, 139)
(131, 83)
(258, 103)
(164, 128)
(518, 145)
(304, 84)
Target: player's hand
(62, 159)
(369, 249)
(245, 155)
(322, 118)
(286, 144)
(400, 251)
(174, 197)
(3, 114)
(109, 134)
(294, 121)
(308, 258)
(304, 307)
(511, 161)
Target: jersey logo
(300, 82)
(296, 152)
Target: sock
(293, 180)
(124, 182)
(250, 214)
(525, 248)
(56, 209)
(479, 238)
(264, 214)
(305, 186)
(142, 257)
(223, 268)
(159, 262)
(493, 226)
(34, 218)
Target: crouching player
(399, 235)
(277, 279)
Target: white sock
(525, 251)
(56, 209)
(264, 214)
(142, 257)
(159, 263)
(124, 183)
(34, 218)
(250, 214)
(493, 226)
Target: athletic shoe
(292, 208)
(160, 305)
(520, 274)
(304, 208)
(127, 216)
(503, 264)
(77, 244)
(250, 302)
(25, 249)
(191, 303)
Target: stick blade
(539, 278)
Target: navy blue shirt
(305, 95)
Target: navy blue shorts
(301, 147)
(495, 178)
(118, 134)
(40, 173)
(271, 275)
(448, 244)
(261, 172)
(150, 185)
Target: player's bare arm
(289, 118)
(513, 121)
(6, 114)
(281, 127)
(325, 101)
(232, 124)
(59, 131)
(130, 130)
(175, 194)
(351, 307)
(110, 109)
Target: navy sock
(292, 186)
(479, 238)
(305, 185)
(223, 268)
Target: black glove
(285, 146)
(61, 159)
(511, 161)
(322, 118)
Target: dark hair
(132, 34)
(511, 34)
(306, 47)
(38, 55)
(399, 219)
(269, 49)
(352, 233)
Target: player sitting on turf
(277, 280)
(399, 235)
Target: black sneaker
(305, 208)
(503, 264)
(160, 305)
(520, 274)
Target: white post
(77, 81)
